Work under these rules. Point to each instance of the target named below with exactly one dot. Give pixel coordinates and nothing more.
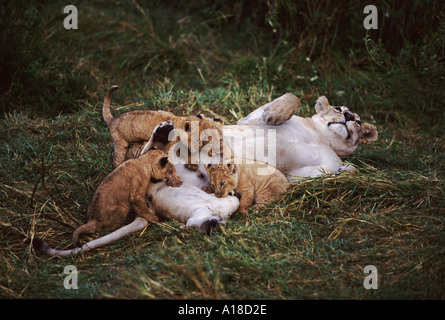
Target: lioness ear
(369, 133)
(200, 115)
(217, 119)
(321, 104)
(163, 162)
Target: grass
(313, 243)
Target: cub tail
(106, 112)
(89, 227)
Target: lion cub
(245, 179)
(125, 188)
(137, 126)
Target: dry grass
(313, 243)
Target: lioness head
(223, 177)
(342, 128)
(162, 168)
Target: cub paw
(234, 193)
(191, 167)
(174, 183)
(207, 189)
(153, 218)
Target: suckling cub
(256, 182)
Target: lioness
(137, 126)
(302, 147)
(125, 188)
(247, 180)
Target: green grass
(314, 242)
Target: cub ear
(218, 122)
(187, 125)
(231, 165)
(163, 162)
(369, 133)
(322, 104)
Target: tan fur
(134, 150)
(245, 179)
(369, 133)
(137, 126)
(125, 188)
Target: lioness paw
(347, 168)
(162, 131)
(212, 223)
(281, 109)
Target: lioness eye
(212, 186)
(358, 122)
(222, 183)
(337, 109)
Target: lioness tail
(137, 225)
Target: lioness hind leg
(281, 109)
(212, 223)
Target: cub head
(223, 177)
(342, 128)
(162, 168)
(202, 130)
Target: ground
(317, 239)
